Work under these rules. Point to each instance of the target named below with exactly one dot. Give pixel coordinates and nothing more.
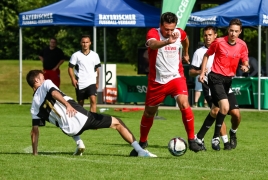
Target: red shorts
(156, 93)
(54, 76)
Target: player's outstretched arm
(34, 137)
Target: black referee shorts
(219, 86)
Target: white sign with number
(110, 77)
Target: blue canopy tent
(96, 13)
(250, 12)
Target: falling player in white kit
(166, 77)
(50, 104)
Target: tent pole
(104, 56)
(259, 67)
(95, 38)
(20, 70)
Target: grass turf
(10, 79)
(106, 155)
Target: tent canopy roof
(250, 12)
(100, 13)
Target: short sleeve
(244, 53)
(61, 54)
(183, 34)
(73, 60)
(152, 34)
(212, 48)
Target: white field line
(73, 158)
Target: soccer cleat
(146, 153)
(215, 143)
(193, 146)
(200, 143)
(80, 148)
(233, 139)
(142, 144)
(227, 146)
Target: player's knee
(116, 123)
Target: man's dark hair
(54, 39)
(168, 17)
(85, 36)
(210, 28)
(30, 77)
(236, 21)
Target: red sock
(188, 121)
(146, 124)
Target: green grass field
(9, 79)
(106, 155)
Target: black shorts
(231, 98)
(206, 94)
(96, 121)
(219, 86)
(82, 94)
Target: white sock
(76, 139)
(224, 138)
(234, 131)
(136, 146)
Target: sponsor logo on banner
(202, 21)
(43, 18)
(265, 19)
(117, 19)
(137, 88)
(110, 95)
(181, 10)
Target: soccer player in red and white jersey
(228, 51)
(52, 105)
(166, 77)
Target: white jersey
(47, 108)
(198, 58)
(85, 66)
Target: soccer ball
(177, 146)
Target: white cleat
(79, 149)
(146, 153)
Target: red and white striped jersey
(165, 63)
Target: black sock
(205, 127)
(219, 120)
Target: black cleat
(193, 146)
(233, 139)
(142, 144)
(200, 143)
(215, 143)
(227, 146)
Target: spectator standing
(52, 57)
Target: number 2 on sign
(110, 75)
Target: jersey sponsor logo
(169, 48)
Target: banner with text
(182, 8)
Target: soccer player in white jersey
(52, 105)
(85, 76)
(209, 35)
(166, 77)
